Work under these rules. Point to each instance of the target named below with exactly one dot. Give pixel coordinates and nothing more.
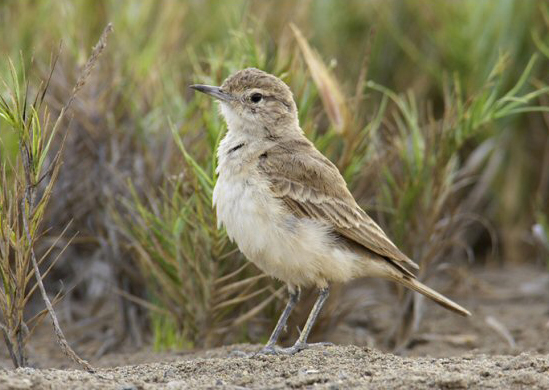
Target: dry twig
(30, 194)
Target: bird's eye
(256, 97)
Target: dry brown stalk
(28, 203)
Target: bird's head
(255, 102)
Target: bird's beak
(216, 92)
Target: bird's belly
(298, 251)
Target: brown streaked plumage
(288, 207)
(311, 186)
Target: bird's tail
(416, 285)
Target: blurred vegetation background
(435, 112)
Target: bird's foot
(239, 354)
(266, 350)
(298, 347)
(269, 350)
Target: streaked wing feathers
(311, 186)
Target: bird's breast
(298, 251)
(246, 207)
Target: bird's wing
(311, 186)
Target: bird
(287, 206)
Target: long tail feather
(416, 285)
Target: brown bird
(287, 206)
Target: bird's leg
(281, 324)
(301, 342)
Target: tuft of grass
(429, 171)
(22, 209)
(26, 187)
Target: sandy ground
(504, 345)
(336, 367)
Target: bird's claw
(269, 350)
(266, 350)
(298, 347)
(237, 353)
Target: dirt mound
(336, 367)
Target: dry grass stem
(332, 97)
(35, 136)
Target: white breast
(300, 252)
